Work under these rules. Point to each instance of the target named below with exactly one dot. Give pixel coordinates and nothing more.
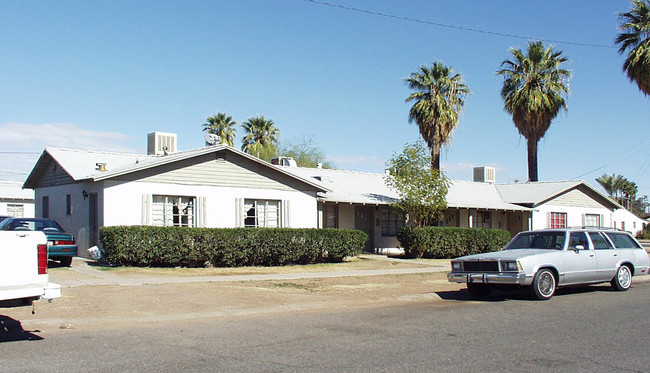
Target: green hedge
(145, 246)
(450, 242)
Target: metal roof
(82, 164)
(535, 193)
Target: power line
(19, 153)
(416, 20)
(616, 160)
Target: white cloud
(35, 137)
(22, 144)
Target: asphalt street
(592, 329)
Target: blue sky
(101, 75)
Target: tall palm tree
(259, 132)
(635, 37)
(438, 100)
(223, 126)
(612, 184)
(533, 88)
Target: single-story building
(16, 201)
(220, 186)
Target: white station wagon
(547, 259)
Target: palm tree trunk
(435, 157)
(532, 160)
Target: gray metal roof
(82, 164)
(12, 190)
(535, 193)
(370, 188)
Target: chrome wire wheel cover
(546, 284)
(624, 277)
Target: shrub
(450, 242)
(146, 246)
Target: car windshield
(30, 225)
(538, 240)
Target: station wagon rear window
(538, 240)
(622, 241)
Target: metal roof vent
(485, 175)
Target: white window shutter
(584, 220)
(200, 212)
(286, 218)
(146, 209)
(548, 220)
(239, 212)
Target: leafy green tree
(635, 39)
(261, 135)
(438, 99)
(223, 126)
(421, 188)
(533, 89)
(306, 153)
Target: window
(262, 213)
(622, 241)
(557, 220)
(330, 216)
(177, 211)
(16, 211)
(591, 220)
(45, 208)
(576, 239)
(482, 219)
(600, 243)
(391, 221)
(68, 204)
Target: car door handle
(591, 255)
(21, 234)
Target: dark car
(61, 245)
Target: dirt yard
(106, 306)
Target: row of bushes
(450, 242)
(146, 246)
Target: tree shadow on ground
(498, 295)
(11, 330)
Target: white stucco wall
(574, 215)
(626, 220)
(123, 202)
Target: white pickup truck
(23, 267)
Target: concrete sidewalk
(90, 274)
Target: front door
(363, 221)
(93, 229)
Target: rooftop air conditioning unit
(485, 175)
(284, 161)
(161, 143)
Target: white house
(220, 186)
(16, 201)
(215, 186)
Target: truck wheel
(66, 261)
(544, 284)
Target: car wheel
(623, 279)
(544, 284)
(479, 290)
(66, 261)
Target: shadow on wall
(12, 331)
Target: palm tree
(533, 89)
(611, 183)
(635, 37)
(438, 99)
(260, 132)
(223, 126)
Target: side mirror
(578, 248)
